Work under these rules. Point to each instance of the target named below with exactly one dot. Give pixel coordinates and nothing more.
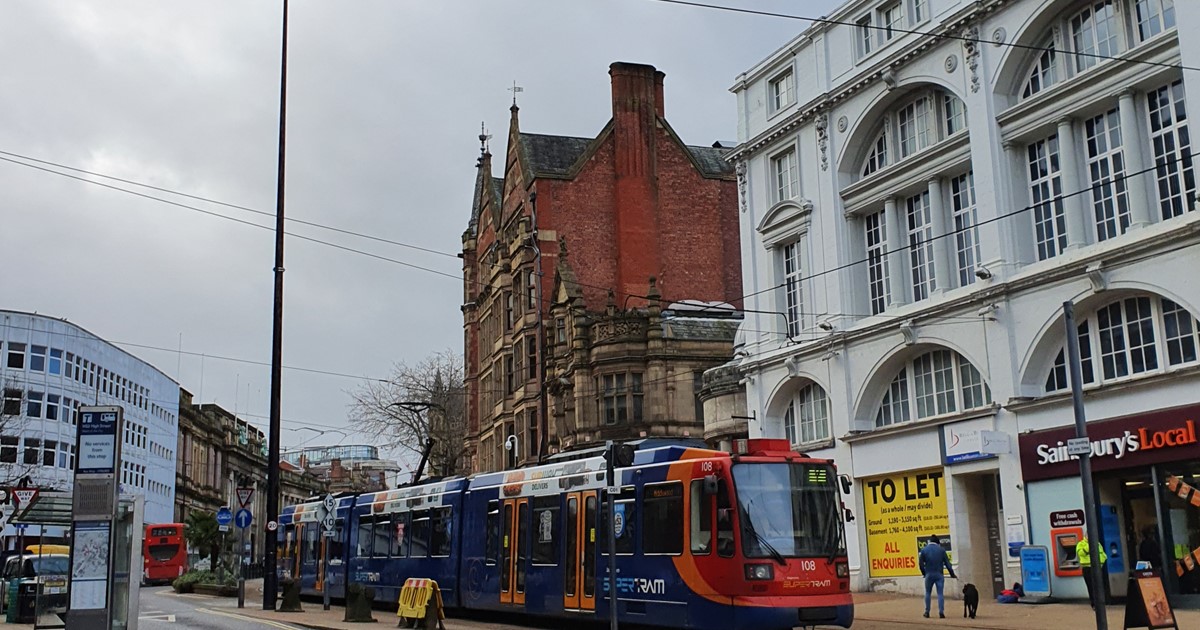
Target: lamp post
(270, 578)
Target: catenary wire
(947, 35)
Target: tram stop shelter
(37, 582)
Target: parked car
(48, 571)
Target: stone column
(1134, 150)
(898, 276)
(943, 271)
(1076, 201)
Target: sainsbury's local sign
(1152, 438)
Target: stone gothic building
(648, 221)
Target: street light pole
(1092, 515)
(270, 587)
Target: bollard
(358, 603)
(291, 595)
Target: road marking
(155, 615)
(265, 622)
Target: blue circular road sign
(243, 518)
(224, 516)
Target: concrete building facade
(50, 368)
(924, 183)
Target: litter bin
(27, 602)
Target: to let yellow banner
(903, 510)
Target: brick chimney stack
(637, 99)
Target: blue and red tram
(705, 539)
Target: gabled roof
(552, 155)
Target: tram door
(514, 551)
(579, 576)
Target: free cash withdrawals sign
(903, 510)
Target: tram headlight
(843, 570)
(760, 572)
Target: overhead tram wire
(234, 219)
(546, 300)
(353, 250)
(947, 35)
(229, 205)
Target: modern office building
(924, 184)
(50, 368)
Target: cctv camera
(982, 273)
(826, 326)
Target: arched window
(936, 383)
(1044, 72)
(807, 417)
(1130, 337)
(1091, 32)
(927, 117)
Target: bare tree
(419, 402)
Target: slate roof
(700, 328)
(712, 161)
(552, 155)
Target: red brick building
(632, 204)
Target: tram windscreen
(788, 510)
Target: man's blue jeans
(932, 579)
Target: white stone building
(50, 367)
(923, 184)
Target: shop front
(1134, 461)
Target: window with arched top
(1092, 32)
(927, 117)
(806, 419)
(1128, 338)
(936, 383)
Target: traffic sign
(329, 502)
(272, 526)
(24, 496)
(243, 496)
(223, 528)
(224, 517)
(328, 533)
(244, 518)
(328, 522)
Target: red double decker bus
(164, 553)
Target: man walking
(1083, 551)
(931, 560)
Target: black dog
(970, 600)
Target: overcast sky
(385, 99)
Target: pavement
(872, 611)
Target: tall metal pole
(612, 539)
(1092, 516)
(269, 562)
